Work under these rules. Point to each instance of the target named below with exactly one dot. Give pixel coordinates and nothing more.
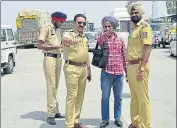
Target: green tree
(171, 7)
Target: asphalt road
(23, 94)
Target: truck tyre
(10, 67)
(159, 44)
(164, 44)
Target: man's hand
(68, 41)
(140, 76)
(43, 46)
(58, 46)
(126, 77)
(89, 74)
(110, 32)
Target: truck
(8, 49)
(168, 31)
(124, 23)
(164, 36)
(67, 25)
(29, 22)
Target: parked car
(92, 40)
(8, 49)
(172, 48)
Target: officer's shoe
(118, 123)
(51, 120)
(58, 115)
(104, 124)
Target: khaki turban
(136, 6)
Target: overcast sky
(95, 10)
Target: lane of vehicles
(167, 31)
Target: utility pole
(86, 21)
(154, 8)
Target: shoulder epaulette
(144, 24)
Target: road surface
(23, 94)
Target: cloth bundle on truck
(28, 24)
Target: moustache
(134, 17)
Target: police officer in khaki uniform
(76, 70)
(50, 43)
(138, 52)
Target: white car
(8, 49)
(172, 48)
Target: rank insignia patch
(144, 34)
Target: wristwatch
(142, 69)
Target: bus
(125, 23)
(123, 18)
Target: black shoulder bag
(100, 56)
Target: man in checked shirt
(113, 74)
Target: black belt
(75, 63)
(52, 55)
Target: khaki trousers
(76, 78)
(52, 69)
(140, 109)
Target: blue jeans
(107, 82)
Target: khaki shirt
(141, 34)
(77, 52)
(50, 35)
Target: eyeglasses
(134, 13)
(80, 22)
(109, 26)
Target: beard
(57, 25)
(136, 19)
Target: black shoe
(118, 123)
(58, 115)
(51, 120)
(104, 124)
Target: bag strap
(96, 48)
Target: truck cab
(164, 36)
(8, 49)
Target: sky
(94, 10)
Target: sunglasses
(80, 22)
(134, 13)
